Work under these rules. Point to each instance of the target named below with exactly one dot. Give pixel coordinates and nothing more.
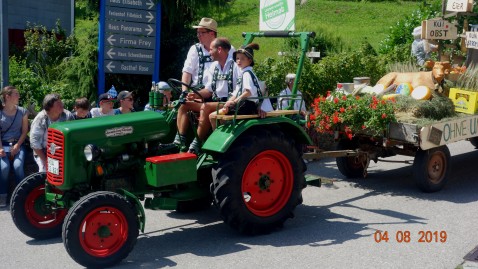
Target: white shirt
(283, 103)
(247, 83)
(191, 65)
(222, 88)
(96, 112)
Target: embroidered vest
(228, 76)
(202, 61)
(254, 80)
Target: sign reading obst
(439, 29)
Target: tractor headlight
(92, 152)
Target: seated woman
(14, 129)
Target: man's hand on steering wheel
(176, 85)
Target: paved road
(334, 228)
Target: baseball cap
(124, 94)
(105, 97)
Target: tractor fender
(139, 207)
(225, 135)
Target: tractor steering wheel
(176, 86)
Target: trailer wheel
(100, 229)
(474, 141)
(258, 182)
(30, 211)
(350, 167)
(431, 168)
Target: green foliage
(401, 32)
(45, 50)
(28, 83)
(80, 69)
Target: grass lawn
(350, 21)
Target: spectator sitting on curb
(81, 109)
(125, 99)
(106, 103)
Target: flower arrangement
(352, 114)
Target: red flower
(336, 119)
(384, 116)
(336, 100)
(344, 97)
(342, 110)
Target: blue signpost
(129, 39)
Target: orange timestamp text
(407, 237)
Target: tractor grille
(55, 155)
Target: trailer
(427, 144)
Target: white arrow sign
(110, 66)
(150, 4)
(150, 16)
(149, 29)
(111, 40)
(111, 53)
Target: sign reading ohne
(125, 67)
(130, 41)
(130, 28)
(130, 54)
(135, 15)
(137, 4)
(448, 132)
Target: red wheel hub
(267, 183)
(103, 231)
(37, 212)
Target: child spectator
(82, 109)
(125, 99)
(106, 103)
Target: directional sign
(137, 4)
(135, 15)
(130, 41)
(130, 54)
(132, 28)
(129, 67)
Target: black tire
(474, 141)
(350, 167)
(259, 204)
(431, 168)
(30, 211)
(113, 231)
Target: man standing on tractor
(198, 60)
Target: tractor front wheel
(100, 229)
(32, 213)
(258, 182)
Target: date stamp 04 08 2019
(407, 236)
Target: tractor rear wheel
(30, 211)
(100, 229)
(258, 182)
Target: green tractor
(103, 172)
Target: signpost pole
(101, 48)
(4, 42)
(157, 47)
